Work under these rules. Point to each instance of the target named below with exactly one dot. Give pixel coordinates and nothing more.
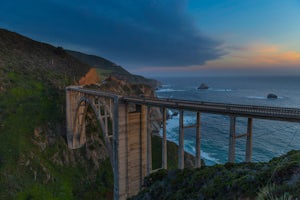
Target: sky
(169, 37)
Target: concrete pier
(249, 140)
(233, 136)
(231, 152)
(181, 141)
(198, 142)
(164, 141)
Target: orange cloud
(253, 57)
(291, 56)
(262, 55)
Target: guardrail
(254, 111)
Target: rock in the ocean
(203, 86)
(272, 96)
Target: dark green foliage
(99, 186)
(172, 154)
(229, 181)
(152, 178)
(60, 51)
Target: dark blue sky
(178, 37)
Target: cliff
(35, 162)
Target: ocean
(270, 138)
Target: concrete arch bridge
(126, 125)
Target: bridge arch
(103, 113)
(127, 142)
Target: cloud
(251, 59)
(258, 55)
(134, 32)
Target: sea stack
(272, 96)
(203, 86)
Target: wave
(189, 145)
(256, 97)
(260, 97)
(167, 90)
(216, 89)
(220, 90)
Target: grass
(172, 153)
(27, 171)
(103, 73)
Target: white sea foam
(260, 97)
(189, 146)
(256, 97)
(167, 90)
(216, 89)
(219, 90)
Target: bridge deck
(252, 111)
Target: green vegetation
(35, 162)
(172, 155)
(277, 179)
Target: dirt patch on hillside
(91, 77)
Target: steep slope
(35, 162)
(20, 55)
(107, 68)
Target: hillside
(35, 162)
(107, 68)
(276, 179)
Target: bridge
(126, 125)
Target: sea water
(270, 138)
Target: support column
(117, 183)
(198, 142)
(149, 142)
(79, 126)
(181, 142)
(164, 141)
(231, 152)
(69, 118)
(106, 122)
(249, 140)
(82, 132)
(144, 142)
